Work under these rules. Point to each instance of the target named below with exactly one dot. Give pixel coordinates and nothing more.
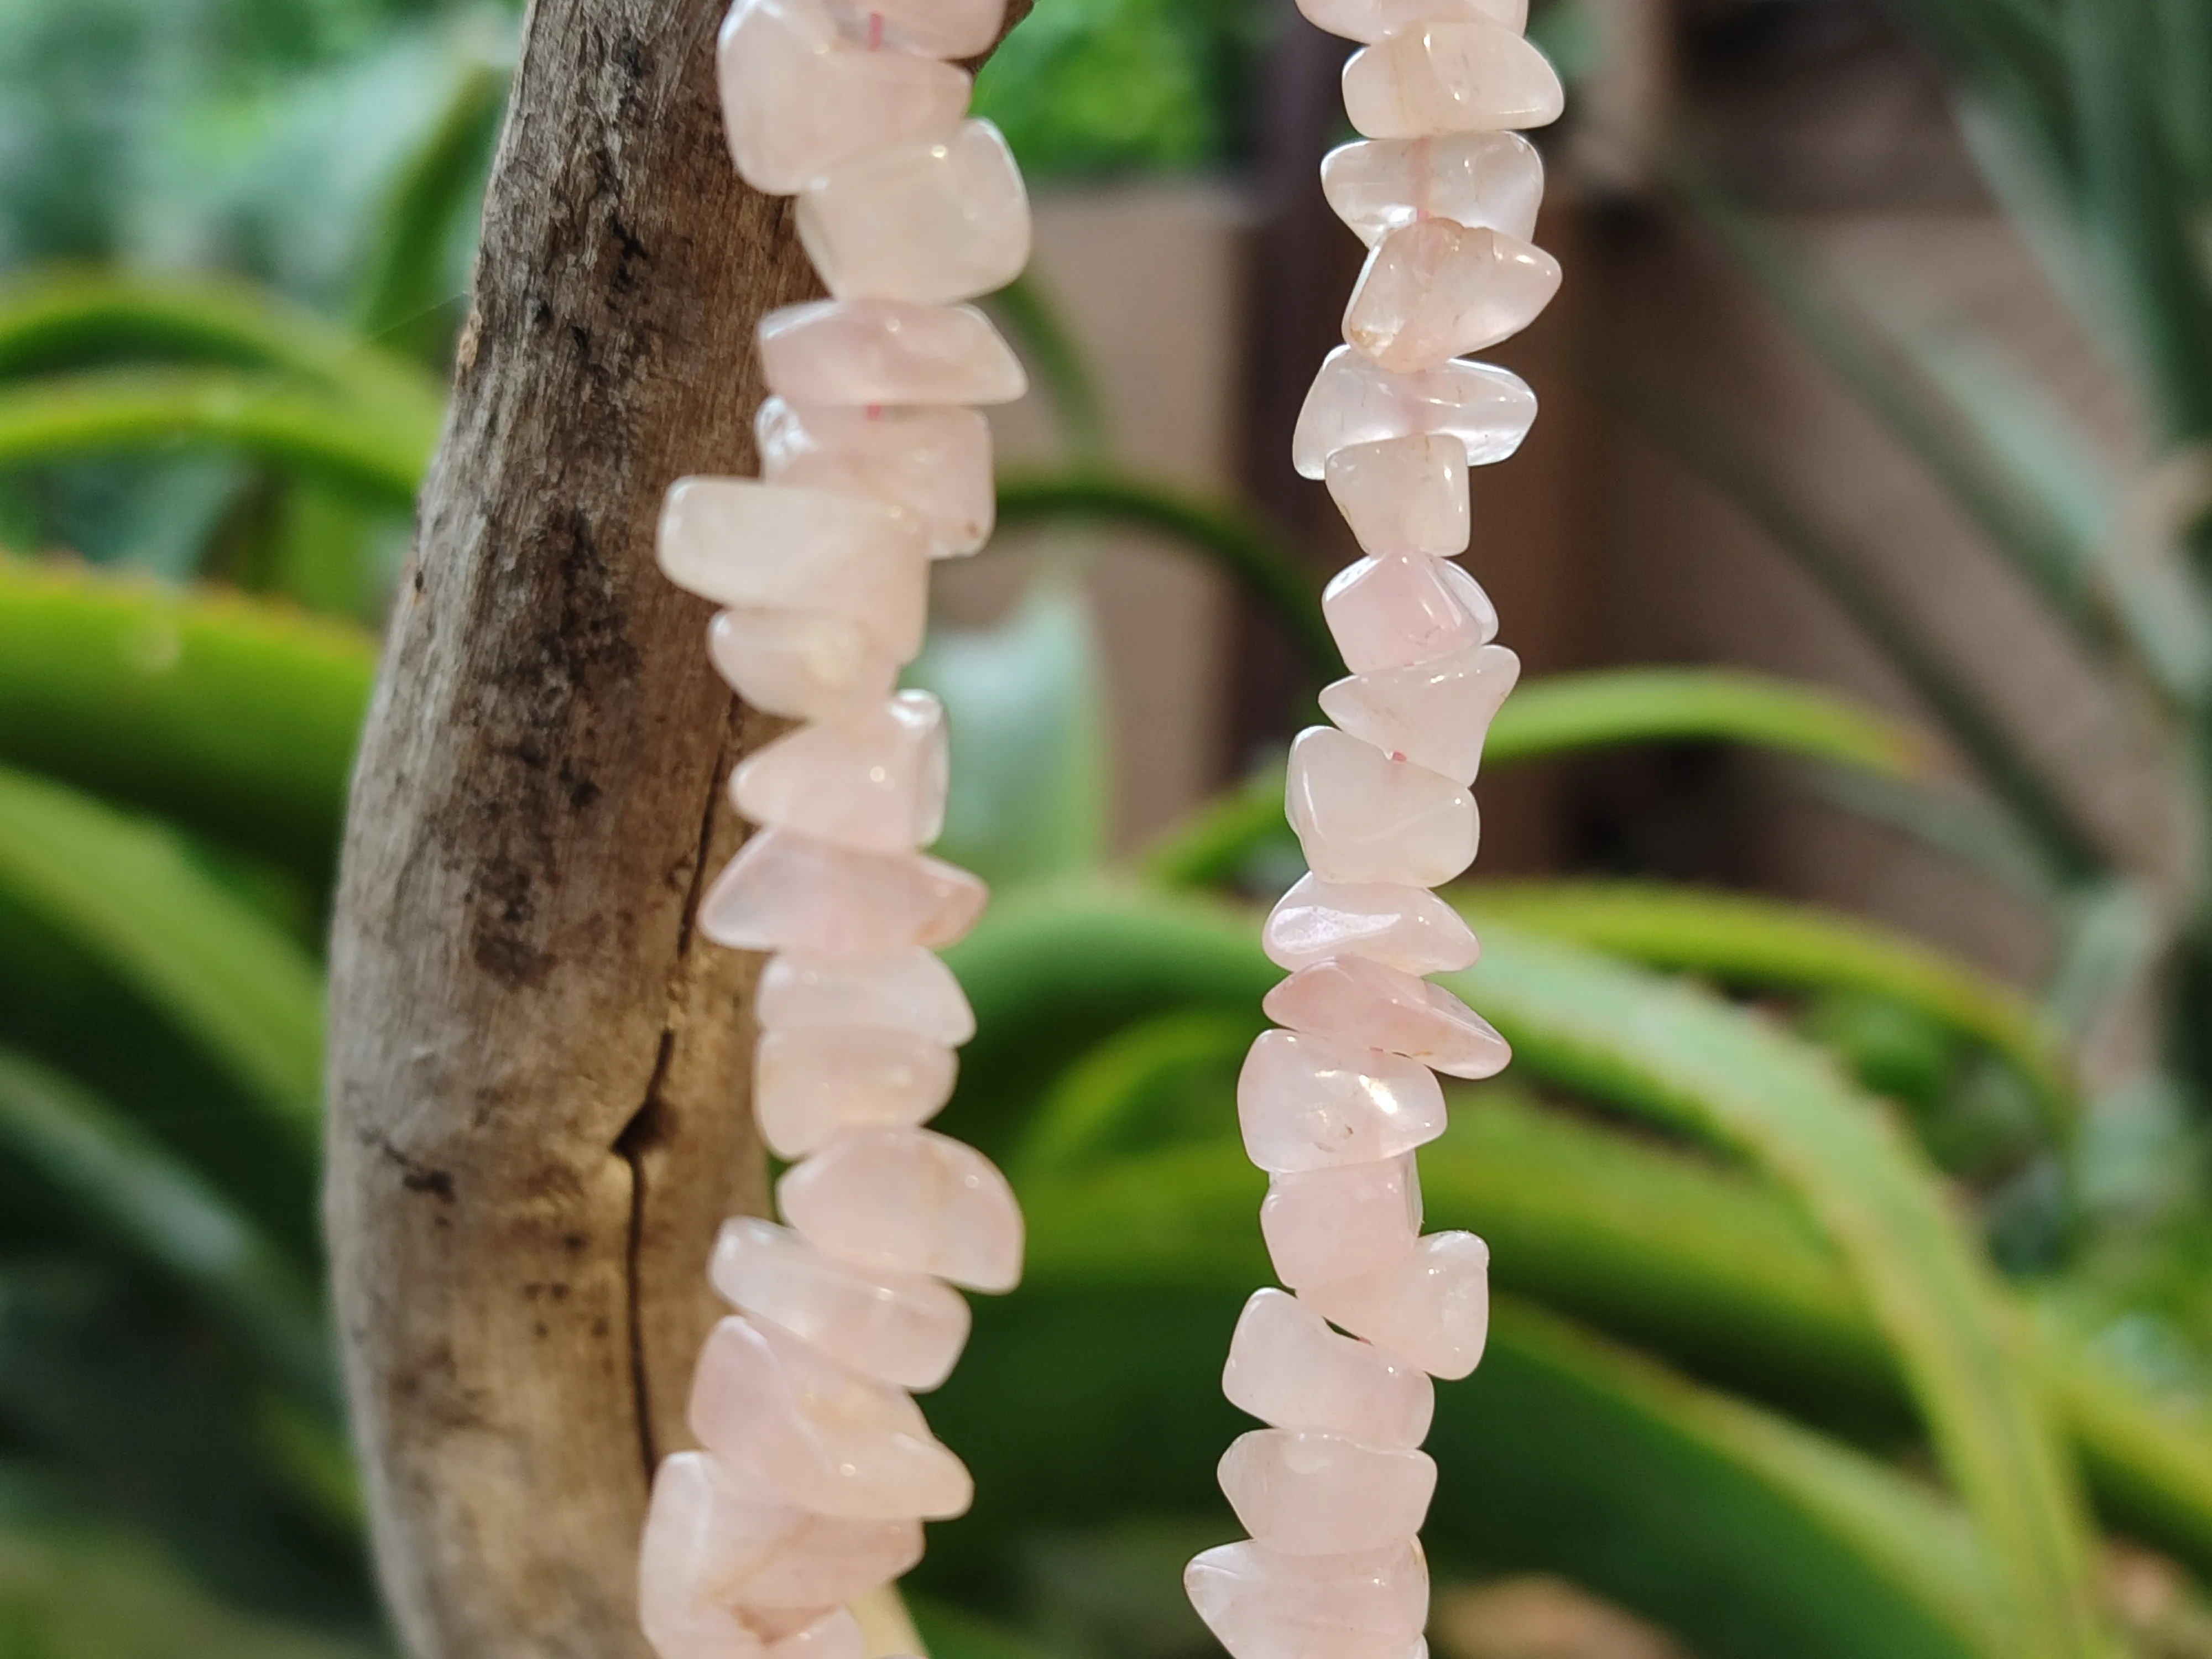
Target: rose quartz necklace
(817, 1468)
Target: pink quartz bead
(1435, 290)
(1401, 926)
(1311, 1102)
(1403, 494)
(931, 463)
(805, 664)
(678, 1623)
(1400, 609)
(1308, 1493)
(1374, 20)
(1334, 1222)
(875, 782)
(1432, 1307)
(928, 220)
(1287, 1368)
(799, 96)
(826, 1437)
(1350, 998)
(855, 353)
(1467, 75)
(905, 1330)
(1381, 185)
(909, 1200)
(936, 28)
(1262, 1603)
(910, 990)
(1362, 816)
(1436, 713)
(814, 1083)
(1354, 401)
(786, 893)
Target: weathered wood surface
(538, 1072)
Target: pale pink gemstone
(1403, 494)
(799, 96)
(1435, 714)
(936, 28)
(1403, 609)
(909, 990)
(1311, 1102)
(1462, 76)
(1432, 1307)
(1333, 1222)
(1374, 20)
(1381, 185)
(929, 220)
(856, 353)
(1287, 1367)
(838, 1635)
(811, 1084)
(902, 1328)
(875, 782)
(909, 1200)
(931, 462)
(1361, 815)
(1401, 926)
(785, 892)
(1435, 290)
(1362, 1002)
(1262, 1603)
(1307, 1493)
(774, 547)
(802, 664)
(828, 1438)
(681, 1622)
(1488, 409)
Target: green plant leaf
(1028, 313)
(1099, 1106)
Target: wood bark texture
(538, 1072)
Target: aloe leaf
(1095, 1109)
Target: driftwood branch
(538, 1073)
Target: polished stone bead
(1403, 494)
(1401, 926)
(929, 220)
(814, 1083)
(1350, 998)
(1262, 1603)
(1308, 1493)
(1435, 290)
(1334, 1222)
(905, 1330)
(936, 28)
(1354, 401)
(931, 462)
(1377, 185)
(1400, 610)
(1461, 75)
(1361, 815)
(799, 96)
(1311, 1103)
(786, 893)
(1287, 1368)
(909, 990)
(1370, 21)
(875, 782)
(909, 1200)
(1431, 1308)
(858, 353)
(801, 664)
(1436, 713)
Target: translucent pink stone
(1262, 1603)
(1382, 185)
(1435, 290)
(683, 1618)
(826, 1437)
(905, 1330)
(1362, 1002)
(1372, 20)
(931, 462)
(1403, 494)
(1310, 1103)
(1308, 1493)
(853, 353)
(1435, 714)
(1464, 76)
(937, 28)
(1361, 815)
(909, 1200)
(1354, 401)
(1287, 1368)
(802, 664)
(799, 96)
(812, 1083)
(929, 220)
(1402, 609)
(786, 893)
(1432, 1307)
(1399, 925)
(909, 990)
(773, 546)
(1334, 1222)
(875, 782)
